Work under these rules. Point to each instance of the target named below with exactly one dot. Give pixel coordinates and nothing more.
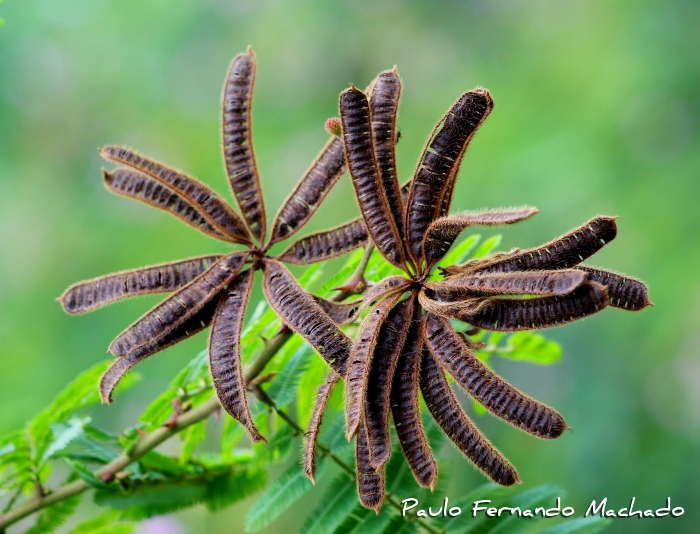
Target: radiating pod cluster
(405, 342)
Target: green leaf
(63, 435)
(231, 434)
(311, 276)
(531, 347)
(582, 525)
(340, 277)
(289, 487)
(161, 463)
(108, 523)
(488, 246)
(88, 476)
(224, 491)
(190, 437)
(94, 446)
(80, 393)
(55, 515)
(215, 489)
(478, 408)
(284, 387)
(314, 375)
(279, 446)
(338, 501)
(363, 521)
(400, 525)
(461, 252)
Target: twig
(150, 441)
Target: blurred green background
(597, 107)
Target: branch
(158, 436)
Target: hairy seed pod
(310, 191)
(370, 483)
(342, 313)
(225, 352)
(237, 141)
(458, 288)
(121, 366)
(505, 315)
(180, 306)
(439, 164)
(385, 287)
(442, 233)
(362, 165)
(377, 405)
(133, 184)
(202, 197)
(360, 362)
(445, 409)
(497, 395)
(93, 294)
(311, 437)
(623, 292)
(303, 315)
(384, 106)
(562, 253)
(406, 409)
(327, 244)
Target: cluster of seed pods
(405, 343)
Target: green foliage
(53, 517)
(337, 503)
(107, 523)
(289, 487)
(488, 246)
(583, 525)
(216, 487)
(160, 483)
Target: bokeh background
(597, 108)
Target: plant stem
(161, 434)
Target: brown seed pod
(362, 165)
(370, 483)
(122, 365)
(92, 294)
(202, 197)
(298, 310)
(438, 164)
(313, 187)
(384, 106)
(225, 352)
(505, 315)
(133, 184)
(447, 412)
(326, 244)
(360, 362)
(311, 437)
(458, 288)
(385, 287)
(443, 232)
(237, 139)
(180, 306)
(406, 408)
(497, 395)
(562, 253)
(342, 313)
(623, 292)
(377, 405)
